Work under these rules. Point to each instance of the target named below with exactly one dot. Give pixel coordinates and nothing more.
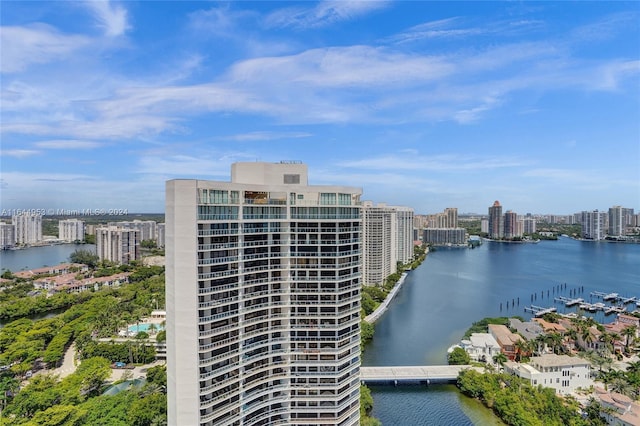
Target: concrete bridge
(420, 375)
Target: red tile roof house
(506, 339)
(63, 268)
(112, 281)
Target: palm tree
(555, 340)
(523, 349)
(587, 337)
(629, 333)
(500, 359)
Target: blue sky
(424, 104)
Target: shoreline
(375, 315)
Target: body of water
(455, 287)
(37, 257)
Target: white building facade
(593, 225)
(117, 245)
(28, 228)
(404, 234)
(147, 228)
(263, 278)
(71, 230)
(161, 235)
(7, 236)
(380, 257)
(481, 347)
(563, 373)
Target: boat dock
(568, 301)
(539, 311)
(606, 296)
(615, 310)
(627, 300)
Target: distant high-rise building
(452, 217)
(619, 219)
(529, 224)
(496, 221)
(593, 225)
(445, 236)
(484, 225)
(511, 225)
(380, 253)
(161, 232)
(404, 234)
(147, 228)
(28, 228)
(119, 245)
(263, 282)
(71, 230)
(7, 235)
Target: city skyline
(421, 104)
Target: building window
(292, 179)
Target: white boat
(610, 296)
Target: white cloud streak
(18, 153)
(68, 144)
(323, 14)
(111, 18)
(35, 44)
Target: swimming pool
(143, 327)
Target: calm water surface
(37, 257)
(455, 287)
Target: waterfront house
(618, 409)
(506, 339)
(529, 330)
(481, 347)
(563, 373)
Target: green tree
(458, 356)
(85, 257)
(629, 334)
(500, 359)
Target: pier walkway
(422, 375)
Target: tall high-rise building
(7, 235)
(71, 230)
(484, 225)
(380, 254)
(147, 228)
(496, 221)
(619, 219)
(529, 224)
(593, 225)
(28, 228)
(451, 214)
(511, 225)
(161, 235)
(404, 234)
(119, 245)
(263, 278)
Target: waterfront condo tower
(263, 278)
(496, 221)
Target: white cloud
(434, 163)
(323, 14)
(18, 153)
(183, 166)
(68, 144)
(357, 66)
(35, 44)
(267, 136)
(111, 18)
